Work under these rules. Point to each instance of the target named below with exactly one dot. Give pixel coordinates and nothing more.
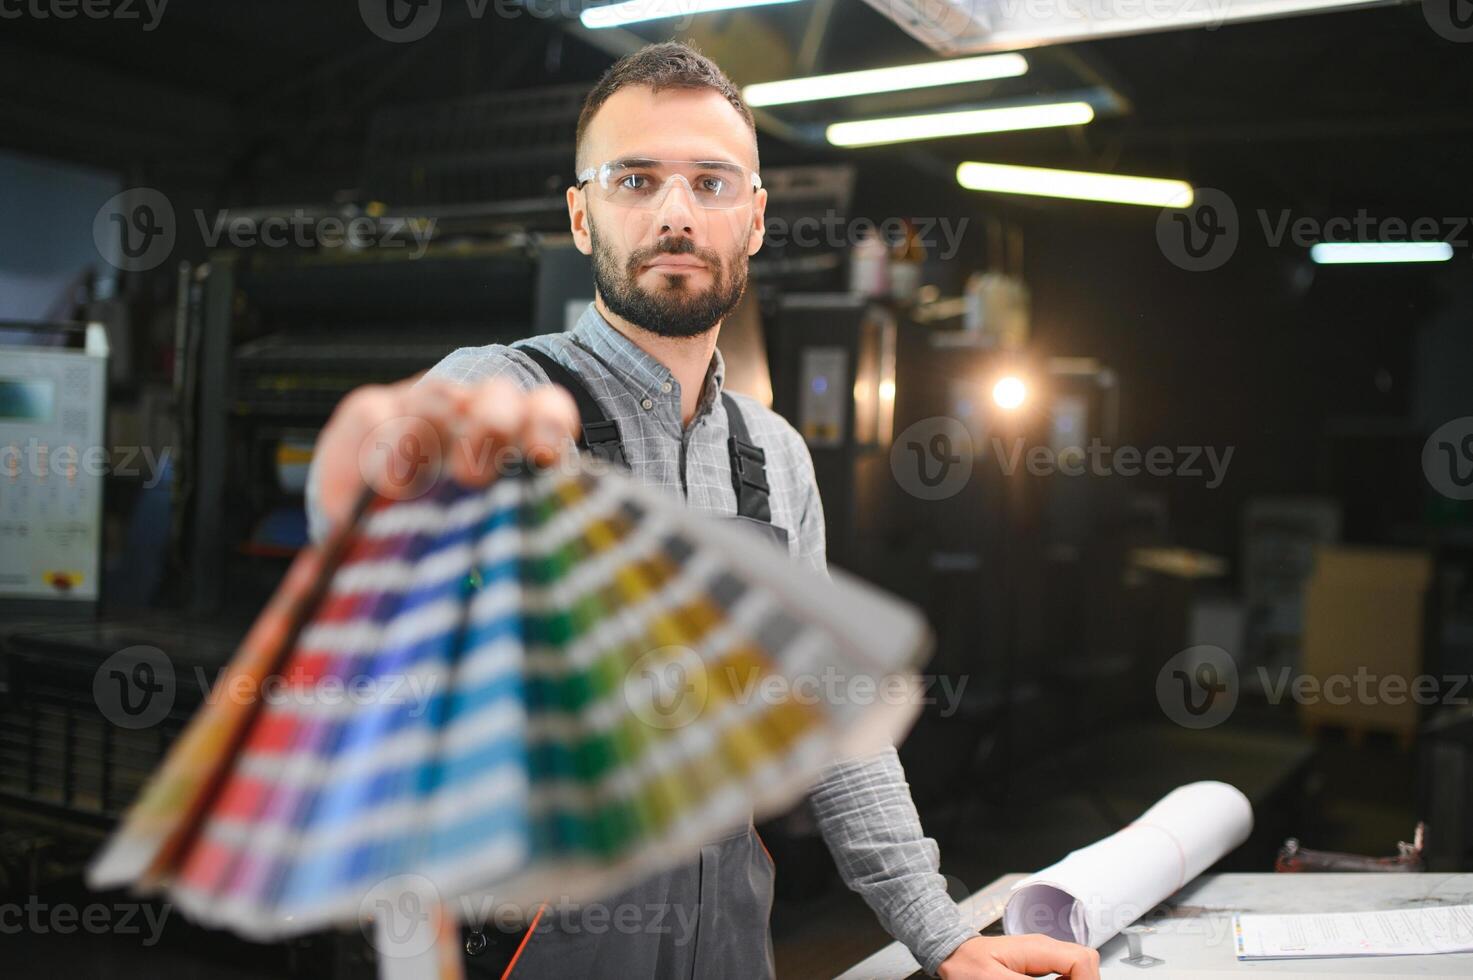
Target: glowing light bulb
(1009, 393)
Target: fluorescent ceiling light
(898, 129)
(1074, 184)
(634, 11)
(1354, 253)
(973, 26)
(897, 79)
(1052, 26)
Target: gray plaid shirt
(863, 808)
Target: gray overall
(704, 920)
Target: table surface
(1193, 929)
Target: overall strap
(748, 466)
(600, 433)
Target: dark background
(1324, 381)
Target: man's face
(628, 243)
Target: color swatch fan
(545, 689)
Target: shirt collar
(645, 375)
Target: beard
(674, 308)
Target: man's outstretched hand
(1015, 957)
(400, 438)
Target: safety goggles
(640, 182)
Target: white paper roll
(1098, 890)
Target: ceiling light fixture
(1365, 253)
(899, 78)
(1075, 184)
(636, 11)
(900, 129)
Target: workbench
(1193, 930)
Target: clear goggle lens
(643, 183)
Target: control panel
(52, 462)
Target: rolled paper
(1098, 890)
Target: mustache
(674, 246)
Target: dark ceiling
(1365, 108)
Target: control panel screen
(26, 399)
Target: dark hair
(670, 64)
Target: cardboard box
(1363, 633)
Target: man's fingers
(399, 439)
(341, 464)
(402, 456)
(437, 402)
(550, 425)
(1067, 959)
(490, 424)
(1087, 964)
